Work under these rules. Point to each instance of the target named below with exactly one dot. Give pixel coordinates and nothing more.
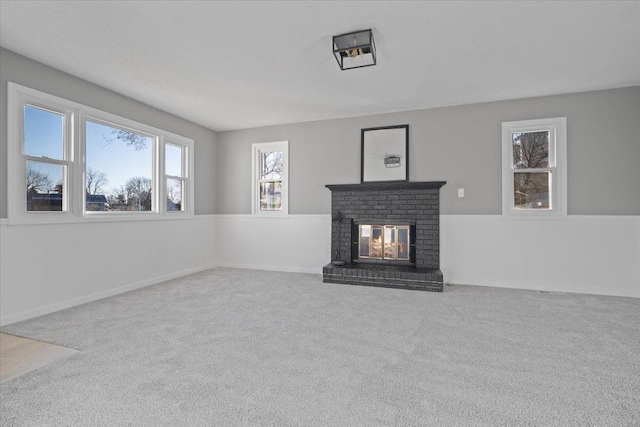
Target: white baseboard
(94, 297)
(271, 268)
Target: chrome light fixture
(354, 50)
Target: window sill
(525, 215)
(269, 215)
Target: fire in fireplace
(383, 242)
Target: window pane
(271, 164)
(119, 168)
(43, 133)
(45, 186)
(530, 150)
(175, 189)
(531, 190)
(271, 196)
(173, 160)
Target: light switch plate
(460, 192)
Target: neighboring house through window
(534, 173)
(270, 190)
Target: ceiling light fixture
(355, 49)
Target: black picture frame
(385, 154)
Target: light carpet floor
(232, 347)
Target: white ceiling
(232, 65)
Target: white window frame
(255, 175)
(75, 160)
(187, 174)
(557, 128)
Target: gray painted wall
(24, 71)
(461, 145)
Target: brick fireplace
(386, 234)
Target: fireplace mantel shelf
(386, 185)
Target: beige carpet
(235, 347)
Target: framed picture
(385, 154)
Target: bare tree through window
(271, 164)
(96, 181)
(38, 181)
(132, 139)
(119, 165)
(271, 171)
(531, 152)
(42, 194)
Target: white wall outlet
(460, 192)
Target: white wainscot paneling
(46, 268)
(585, 254)
(297, 243)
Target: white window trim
(255, 162)
(18, 96)
(557, 128)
